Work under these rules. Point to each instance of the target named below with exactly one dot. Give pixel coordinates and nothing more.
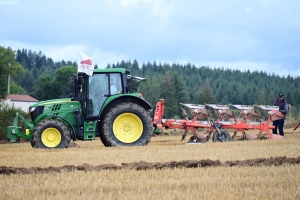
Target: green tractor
(102, 106)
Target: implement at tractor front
(249, 119)
(13, 132)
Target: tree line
(35, 74)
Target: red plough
(249, 119)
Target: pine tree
(168, 92)
(206, 94)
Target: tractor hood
(51, 107)
(50, 102)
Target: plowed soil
(277, 161)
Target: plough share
(233, 117)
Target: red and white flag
(85, 64)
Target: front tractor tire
(126, 124)
(50, 133)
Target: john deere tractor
(101, 106)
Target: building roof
(21, 97)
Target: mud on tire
(126, 124)
(50, 133)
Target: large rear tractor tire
(103, 140)
(126, 124)
(223, 137)
(50, 133)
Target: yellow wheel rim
(128, 127)
(51, 137)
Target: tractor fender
(123, 99)
(64, 120)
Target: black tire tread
(36, 140)
(107, 135)
(223, 132)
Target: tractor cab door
(98, 88)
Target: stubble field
(165, 169)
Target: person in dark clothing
(283, 108)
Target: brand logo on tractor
(48, 107)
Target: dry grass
(276, 182)
(210, 183)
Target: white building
(22, 101)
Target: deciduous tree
(8, 67)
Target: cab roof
(110, 70)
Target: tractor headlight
(35, 112)
(31, 109)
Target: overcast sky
(261, 35)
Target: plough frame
(226, 120)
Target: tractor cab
(93, 91)
(103, 86)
